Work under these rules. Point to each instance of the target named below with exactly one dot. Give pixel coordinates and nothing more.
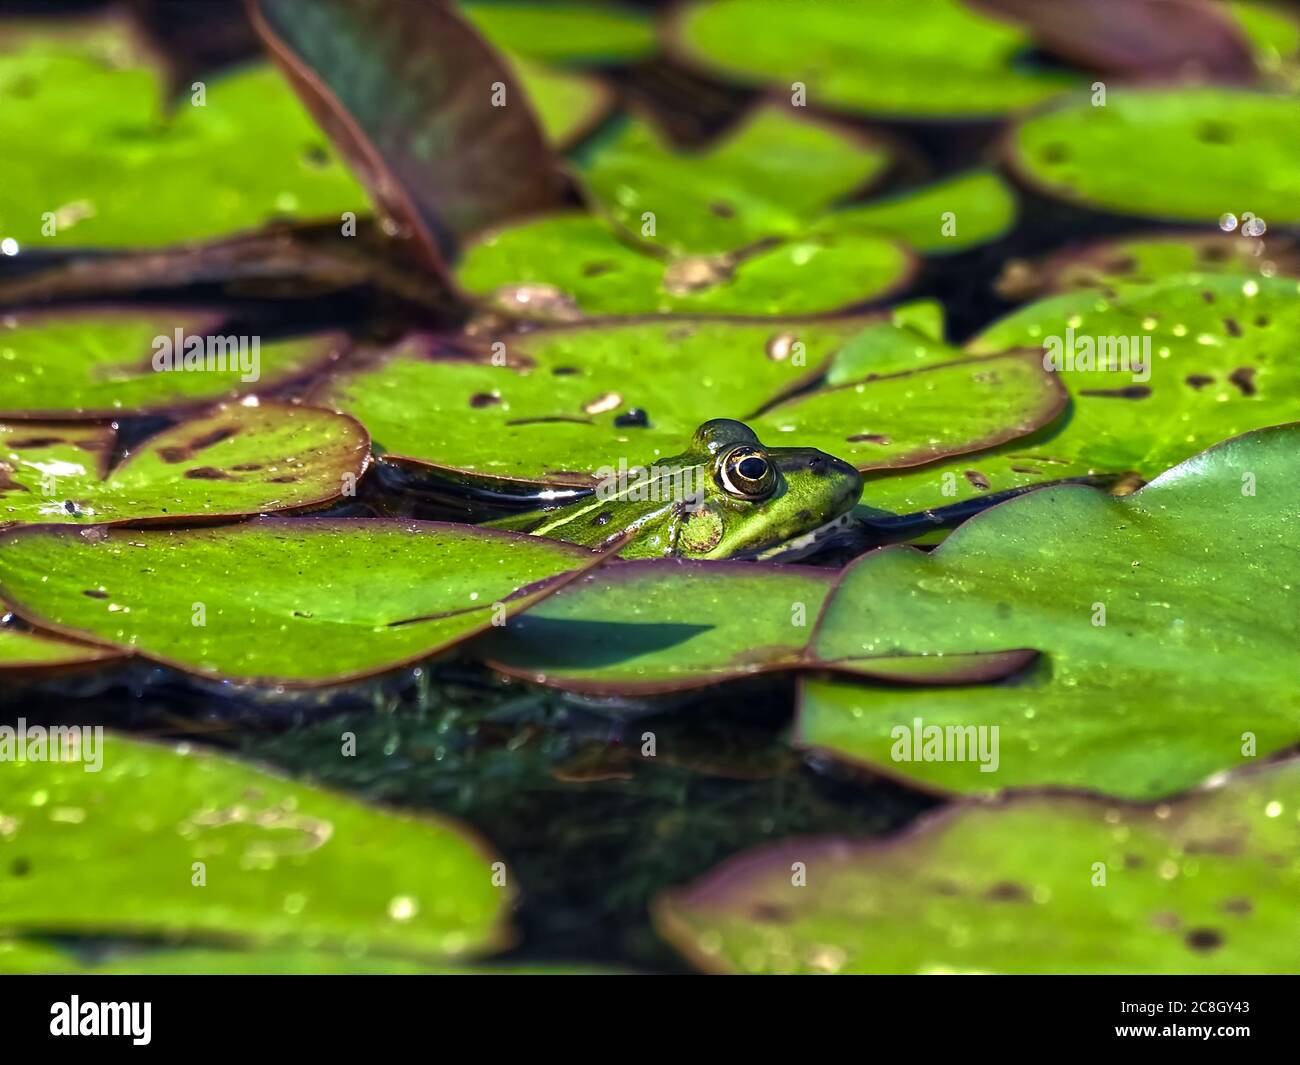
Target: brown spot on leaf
(1244, 378)
(596, 269)
(95, 593)
(34, 442)
(207, 473)
(722, 209)
(173, 454)
(769, 913)
(1166, 920)
(199, 443)
(1199, 380)
(1207, 296)
(1238, 905)
(1131, 392)
(1025, 469)
(978, 480)
(548, 419)
(483, 399)
(1233, 329)
(286, 479)
(247, 467)
(868, 438)
(1006, 891)
(1204, 939)
(565, 371)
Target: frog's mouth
(806, 543)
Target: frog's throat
(806, 543)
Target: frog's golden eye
(746, 472)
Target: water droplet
(1254, 228)
(1228, 222)
(402, 907)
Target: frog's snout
(845, 477)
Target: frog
(727, 496)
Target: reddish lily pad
(234, 461)
(301, 603)
(429, 116)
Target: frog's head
(753, 501)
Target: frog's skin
(726, 496)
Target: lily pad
(104, 163)
(1218, 367)
(94, 362)
(1108, 265)
(601, 33)
(1157, 670)
(38, 652)
(280, 862)
(552, 413)
(568, 105)
(769, 177)
(427, 113)
(1197, 153)
(889, 57)
(641, 628)
(948, 216)
(234, 461)
(568, 266)
(301, 603)
(1042, 884)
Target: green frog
(726, 496)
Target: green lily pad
(413, 97)
(568, 105)
(1158, 671)
(36, 652)
(890, 57)
(1042, 884)
(1109, 265)
(281, 863)
(551, 415)
(90, 362)
(769, 177)
(565, 32)
(1219, 366)
(642, 628)
(567, 266)
(1196, 153)
(948, 216)
(234, 461)
(302, 602)
(28, 957)
(105, 165)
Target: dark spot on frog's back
(603, 518)
(207, 473)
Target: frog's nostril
(817, 463)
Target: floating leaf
(103, 165)
(1153, 40)
(568, 105)
(891, 57)
(234, 461)
(552, 415)
(1042, 884)
(299, 602)
(407, 93)
(1157, 669)
(1108, 265)
(91, 362)
(1218, 367)
(769, 177)
(1194, 152)
(563, 267)
(646, 627)
(281, 862)
(564, 32)
(950, 215)
(36, 652)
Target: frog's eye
(746, 472)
